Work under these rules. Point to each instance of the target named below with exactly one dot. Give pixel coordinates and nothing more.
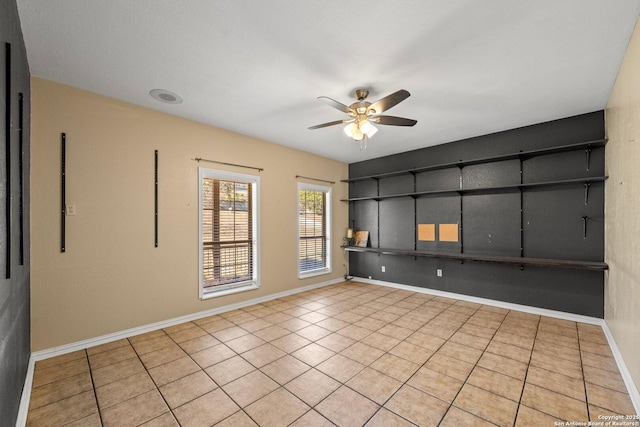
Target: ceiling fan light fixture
(365, 126)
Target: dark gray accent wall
(543, 222)
(14, 216)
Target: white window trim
(327, 269)
(231, 288)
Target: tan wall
(111, 277)
(622, 209)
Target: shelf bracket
(588, 153)
(586, 192)
(584, 226)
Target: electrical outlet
(439, 272)
(383, 269)
(369, 277)
(70, 210)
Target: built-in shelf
(522, 261)
(483, 189)
(519, 155)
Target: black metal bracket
(155, 215)
(588, 153)
(584, 226)
(7, 151)
(63, 197)
(21, 173)
(586, 192)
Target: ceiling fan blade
(389, 101)
(393, 121)
(324, 125)
(335, 104)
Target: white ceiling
(256, 67)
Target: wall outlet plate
(439, 272)
(70, 210)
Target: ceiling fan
(363, 114)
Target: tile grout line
(93, 387)
(526, 374)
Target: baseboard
(624, 372)
(104, 339)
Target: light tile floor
(350, 354)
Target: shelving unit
(522, 261)
(521, 187)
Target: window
(228, 206)
(314, 229)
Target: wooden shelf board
(503, 157)
(536, 262)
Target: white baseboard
(624, 372)
(104, 339)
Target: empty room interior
(284, 213)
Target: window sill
(312, 273)
(214, 293)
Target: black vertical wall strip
(7, 149)
(63, 196)
(21, 172)
(155, 216)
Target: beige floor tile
(417, 406)
(124, 389)
(597, 348)
(312, 386)
(340, 367)
(187, 388)
(469, 340)
(187, 334)
(557, 351)
(63, 411)
(107, 346)
(278, 317)
(517, 340)
(199, 344)
(386, 418)
(374, 385)
(117, 371)
(396, 331)
(313, 354)
(486, 405)
(335, 342)
(554, 381)
(212, 355)
(504, 365)
(556, 364)
(354, 332)
(239, 419)
(60, 371)
(294, 324)
(255, 325)
(593, 336)
(179, 327)
(312, 419)
(552, 340)
(345, 407)
(63, 358)
(384, 316)
(554, 404)
(479, 329)
(92, 420)
(455, 368)
(244, 343)
(277, 409)
(263, 355)
(206, 410)
(229, 334)
(411, 352)
(603, 362)
(496, 383)
(271, 333)
(395, 367)
(147, 336)
(595, 413)
(217, 325)
(511, 351)
(442, 332)
(457, 417)
(162, 356)
(617, 402)
(528, 417)
(290, 343)
(370, 323)
(604, 378)
(349, 317)
(229, 370)
(172, 371)
(59, 390)
(460, 352)
(207, 319)
(152, 344)
(380, 341)
(249, 388)
(165, 420)
(362, 353)
(313, 317)
(436, 384)
(285, 369)
(135, 411)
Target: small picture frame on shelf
(362, 239)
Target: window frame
(247, 285)
(327, 268)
